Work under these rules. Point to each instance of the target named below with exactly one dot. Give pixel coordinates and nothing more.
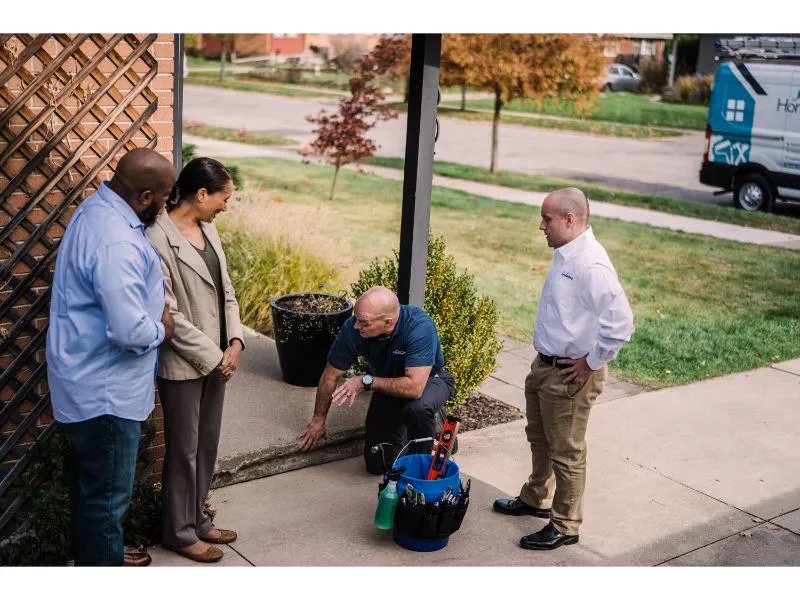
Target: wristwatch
(366, 381)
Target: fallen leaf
(746, 534)
(756, 520)
(772, 527)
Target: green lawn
(703, 307)
(540, 183)
(249, 84)
(617, 107)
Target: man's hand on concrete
(348, 391)
(168, 323)
(578, 372)
(312, 434)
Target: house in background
(285, 45)
(634, 48)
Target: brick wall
(122, 88)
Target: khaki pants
(557, 417)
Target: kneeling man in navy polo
(405, 375)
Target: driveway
(667, 167)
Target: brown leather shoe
(226, 536)
(210, 555)
(136, 558)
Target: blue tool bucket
(417, 466)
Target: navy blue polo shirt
(413, 343)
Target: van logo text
(788, 105)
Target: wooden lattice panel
(70, 105)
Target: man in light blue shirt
(107, 318)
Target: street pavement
(667, 166)
(750, 235)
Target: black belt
(553, 360)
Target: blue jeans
(102, 465)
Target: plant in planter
(305, 326)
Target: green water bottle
(387, 503)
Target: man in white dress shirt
(583, 320)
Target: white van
(753, 133)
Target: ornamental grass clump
(263, 266)
(467, 322)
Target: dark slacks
(192, 422)
(102, 463)
(394, 421)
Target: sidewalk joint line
(783, 370)
(707, 495)
(708, 544)
(242, 555)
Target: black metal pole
(418, 177)
(177, 104)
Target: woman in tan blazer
(202, 356)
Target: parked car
(620, 78)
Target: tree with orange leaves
(526, 66)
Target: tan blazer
(193, 351)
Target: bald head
(571, 200)
(145, 169)
(144, 179)
(565, 216)
(379, 301)
(376, 312)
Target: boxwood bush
(467, 322)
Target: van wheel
(753, 193)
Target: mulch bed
(481, 411)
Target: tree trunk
(335, 176)
(463, 96)
(498, 104)
(222, 64)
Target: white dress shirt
(583, 308)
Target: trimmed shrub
(654, 76)
(692, 89)
(263, 267)
(467, 323)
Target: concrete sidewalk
(737, 233)
(704, 474)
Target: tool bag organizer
(427, 526)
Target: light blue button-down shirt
(105, 314)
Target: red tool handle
(447, 438)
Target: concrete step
(263, 416)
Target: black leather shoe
(547, 538)
(517, 507)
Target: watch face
(367, 379)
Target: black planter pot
(303, 339)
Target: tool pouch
(429, 527)
(461, 510)
(447, 521)
(408, 518)
(429, 521)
